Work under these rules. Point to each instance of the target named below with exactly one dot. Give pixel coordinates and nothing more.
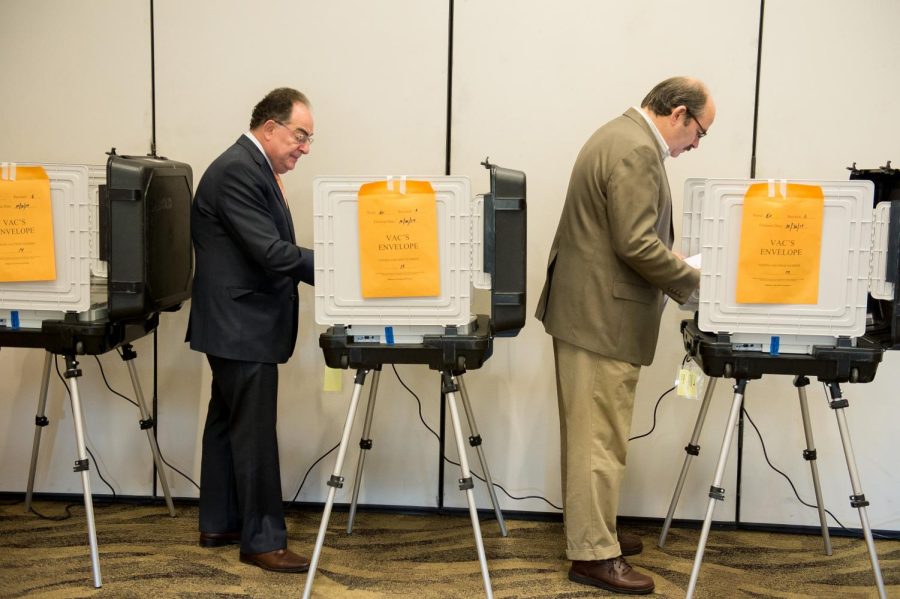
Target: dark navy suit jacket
(244, 302)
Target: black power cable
(791, 483)
(448, 460)
(134, 403)
(762, 444)
(108, 386)
(59, 518)
(308, 470)
(655, 408)
(684, 361)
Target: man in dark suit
(244, 312)
(610, 264)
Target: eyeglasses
(301, 136)
(701, 132)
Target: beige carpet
(145, 553)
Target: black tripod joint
(447, 383)
(466, 483)
(72, 370)
(837, 400)
(128, 353)
(360, 378)
(800, 381)
(858, 501)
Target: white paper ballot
(693, 302)
(693, 261)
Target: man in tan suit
(609, 266)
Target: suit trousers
(240, 477)
(596, 401)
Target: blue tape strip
(389, 335)
(14, 319)
(774, 345)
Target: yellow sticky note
(398, 240)
(27, 252)
(334, 380)
(781, 245)
(687, 383)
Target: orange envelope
(26, 227)
(781, 245)
(398, 240)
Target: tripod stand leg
(809, 454)
(465, 483)
(716, 492)
(858, 499)
(82, 464)
(475, 441)
(40, 421)
(336, 481)
(691, 450)
(365, 444)
(148, 425)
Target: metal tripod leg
(449, 389)
(147, 424)
(809, 454)
(82, 464)
(716, 492)
(858, 499)
(40, 421)
(691, 450)
(365, 444)
(475, 441)
(336, 481)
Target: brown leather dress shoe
(613, 575)
(280, 560)
(629, 544)
(219, 539)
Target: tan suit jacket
(610, 262)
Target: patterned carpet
(145, 553)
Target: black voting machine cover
(146, 239)
(884, 327)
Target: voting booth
(797, 278)
(396, 258)
(89, 257)
(843, 264)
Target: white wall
(531, 81)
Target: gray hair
(674, 92)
